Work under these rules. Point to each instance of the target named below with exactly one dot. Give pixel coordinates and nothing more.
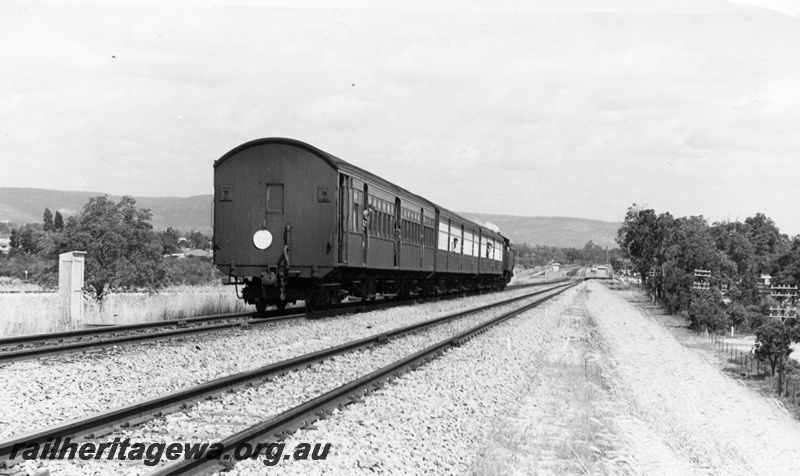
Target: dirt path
(618, 394)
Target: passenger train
(292, 223)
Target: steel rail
(49, 344)
(111, 329)
(280, 426)
(122, 417)
(6, 342)
(34, 352)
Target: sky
(530, 108)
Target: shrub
(192, 271)
(706, 312)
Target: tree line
(530, 256)
(122, 249)
(665, 251)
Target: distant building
(556, 267)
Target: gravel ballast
(433, 420)
(52, 390)
(213, 420)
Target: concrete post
(70, 284)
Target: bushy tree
(774, 341)
(14, 239)
(17, 262)
(706, 311)
(122, 250)
(58, 221)
(169, 241)
(788, 264)
(199, 241)
(47, 217)
(27, 238)
(767, 240)
(191, 271)
(736, 254)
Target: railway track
(39, 345)
(26, 347)
(306, 413)
(94, 426)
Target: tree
(767, 240)
(169, 241)
(789, 265)
(199, 240)
(122, 250)
(774, 340)
(14, 239)
(705, 311)
(593, 254)
(645, 238)
(48, 220)
(29, 237)
(58, 222)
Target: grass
(568, 429)
(37, 313)
(688, 417)
(630, 400)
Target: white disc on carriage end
(262, 239)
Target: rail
(306, 413)
(106, 422)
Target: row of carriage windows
(468, 243)
(416, 228)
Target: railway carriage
(292, 222)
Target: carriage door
(461, 249)
(422, 238)
(367, 216)
(398, 232)
(344, 216)
(479, 244)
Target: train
(294, 223)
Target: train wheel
(281, 305)
(261, 306)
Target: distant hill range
(551, 231)
(26, 205)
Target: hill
(551, 231)
(26, 205)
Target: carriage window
(275, 197)
(468, 243)
(357, 200)
(455, 239)
(443, 236)
(429, 232)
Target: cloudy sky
(533, 108)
